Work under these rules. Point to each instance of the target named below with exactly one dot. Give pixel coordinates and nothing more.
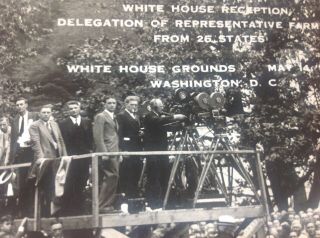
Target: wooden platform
(153, 217)
(96, 220)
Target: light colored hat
(6, 176)
(61, 175)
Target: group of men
(39, 139)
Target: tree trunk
(314, 195)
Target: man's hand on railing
(104, 157)
(40, 161)
(123, 156)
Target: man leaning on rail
(47, 142)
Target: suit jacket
(129, 139)
(105, 133)
(42, 141)
(4, 146)
(77, 140)
(15, 133)
(155, 136)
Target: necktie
(137, 118)
(76, 121)
(48, 126)
(21, 127)
(4, 140)
(51, 132)
(115, 122)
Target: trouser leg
(109, 170)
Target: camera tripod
(211, 172)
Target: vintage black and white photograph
(159, 118)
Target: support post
(262, 184)
(37, 210)
(95, 190)
(261, 233)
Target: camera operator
(155, 139)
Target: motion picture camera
(200, 108)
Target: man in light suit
(130, 140)
(5, 132)
(105, 135)
(47, 142)
(77, 135)
(21, 152)
(5, 135)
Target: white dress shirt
(111, 114)
(131, 114)
(76, 120)
(24, 139)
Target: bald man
(155, 139)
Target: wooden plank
(154, 217)
(140, 153)
(37, 209)
(183, 152)
(15, 166)
(112, 233)
(181, 215)
(256, 226)
(262, 184)
(78, 222)
(261, 233)
(95, 191)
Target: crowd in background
(302, 224)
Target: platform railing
(95, 217)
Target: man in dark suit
(47, 142)
(130, 140)
(105, 135)
(21, 152)
(155, 139)
(77, 135)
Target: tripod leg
(241, 169)
(223, 185)
(173, 140)
(204, 173)
(213, 170)
(173, 171)
(142, 173)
